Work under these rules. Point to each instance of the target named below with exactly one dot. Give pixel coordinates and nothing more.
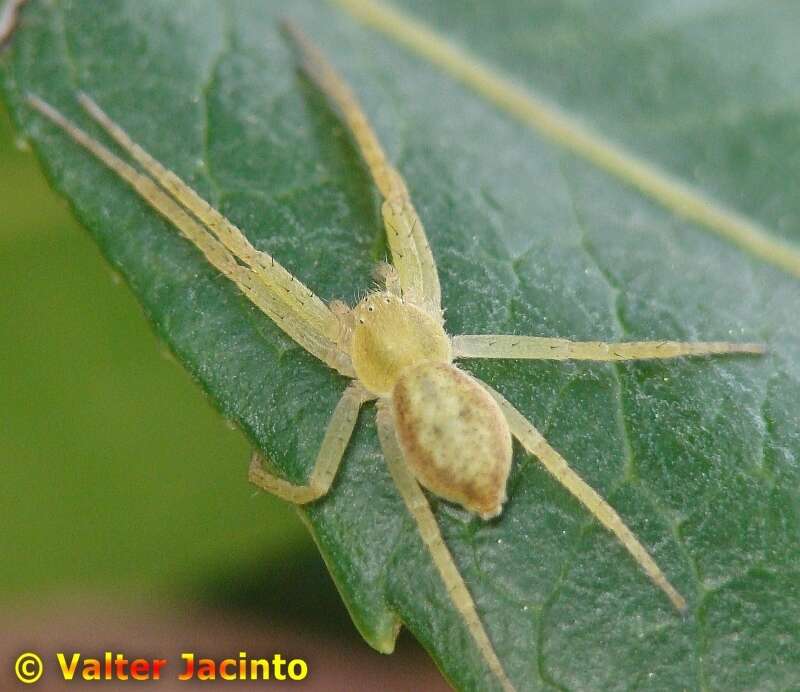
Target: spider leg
(276, 277)
(420, 510)
(9, 18)
(242, 266)
(540, 348)
(337, 436)
(533, 441)
(405, 234)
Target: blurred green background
(118, 474)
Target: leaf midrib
(554, 123)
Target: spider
(439, 427)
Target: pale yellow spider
(438, 426)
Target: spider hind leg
(431, 535)
(533, 441)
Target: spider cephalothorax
(437, 425)
(389, 334)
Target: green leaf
(700, 457)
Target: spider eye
(370, 308)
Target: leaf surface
(700, 457)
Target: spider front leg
(279, 294)
(337, 436)
(541, 348)
(411, 253)
(297, 297)
(431, 535)
(534, 442)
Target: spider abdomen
(453, 435)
